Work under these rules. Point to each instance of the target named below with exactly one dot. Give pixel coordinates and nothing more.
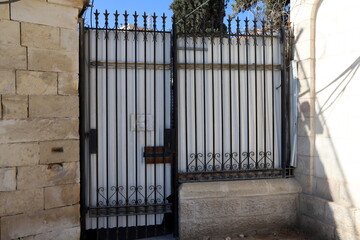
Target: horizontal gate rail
(237, 67)
(130, 29)
(231, 175)
(131, 65)
(130, 210)
(207, 66)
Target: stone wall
(236, 207)
(39, 120)
(327, 51)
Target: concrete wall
(39, 115)
(236, 207)
(327, 47)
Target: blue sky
(141, 6)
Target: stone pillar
(39, 120)
(302, 22)
(328, 58)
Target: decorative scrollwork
(265, 160)
(248, 162)
(157, 194)
(196, 164)
(136, 190)
(114, 192)
(100, 192)
(120, 197)
(115, 197)
(231, 162)
(214, 163)
(136, 196)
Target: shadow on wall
(327, 206)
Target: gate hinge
(93, 143)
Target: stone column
(39, 120)
(328, 58)
(304, 32)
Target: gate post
(82, 127)
(174, 114)
(284, 104)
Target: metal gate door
(231, 98)
(128, 131)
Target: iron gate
(160, 108)
(129, 150)
(231, 101)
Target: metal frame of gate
(125, 89)
(128, 152)
(233, 91)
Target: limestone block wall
(328, 55)
(39, 120)
(236, 207)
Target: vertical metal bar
(186, 109)
(264, 85)
(288, 106)
(89, 116)
(239, 94)
(222, 97)
(154, 38)
(247, 91)
(97, 106)
(145, 105)
(155, 120)
(136, 113)
(84, 120)
(195, 99)
(230, 95)
(204, 89)
(256, 98)
(176, 125)
(116, 14)
(272, 92)
(283, 103)
(126, 123)
(213, 92)
(164, 106)
(106, 14)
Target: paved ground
(283, 235)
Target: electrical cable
(9, 1)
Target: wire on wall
(9, 1)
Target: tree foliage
(210, 15)
(275, 10)
(190, 16)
